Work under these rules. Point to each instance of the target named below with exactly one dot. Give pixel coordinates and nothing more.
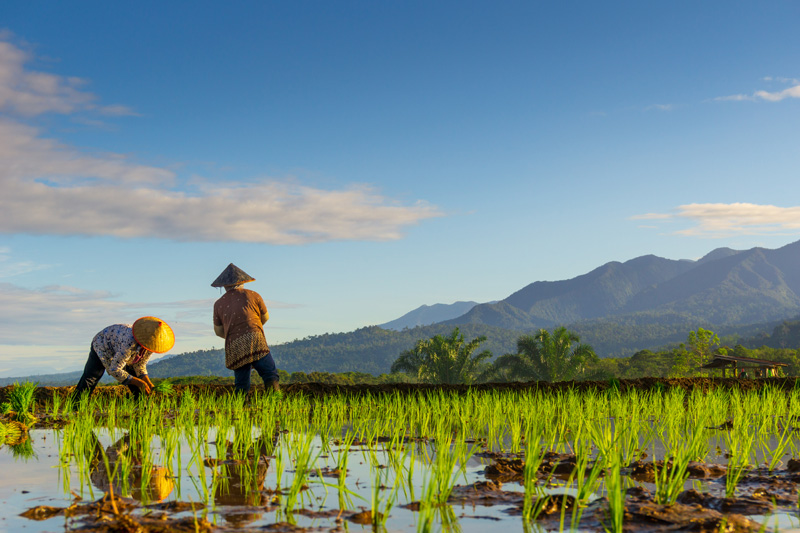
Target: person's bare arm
(219, 330)
(264, 317)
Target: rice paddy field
(651, 455)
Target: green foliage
(20, 402)
(443, 359)
(164, 386)
(559, 356)
(698, 350)
(701, 344)
(370, 350)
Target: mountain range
(618, 308)
(725, 287)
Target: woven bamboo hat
(154, 334)
(232, 275)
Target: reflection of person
(239, 317)
(243, 485)
(123, 350)
(159, 484)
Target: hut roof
(720, 361)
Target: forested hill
(724, 288)
(371, 350)
(784, 335)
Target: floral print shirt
(117, 348)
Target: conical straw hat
(232, 275)
(154, 334)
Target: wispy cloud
(52, 188)
(769, 96)
(11, 267)
(27, 92)
(72, 316)
(660, 107)
(726, 220)
(44, 320)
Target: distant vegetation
(296, 362)
(646, 305)
(444, 359)
(557, 356)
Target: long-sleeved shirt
(117, 348)
(241, 313)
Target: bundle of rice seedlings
(20, 402)
(164, 387)
(15, 432)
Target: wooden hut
(735, 366)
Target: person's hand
(146, 379)
(140, 384)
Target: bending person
(239, 317)
(123, 350)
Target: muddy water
(38, 480)
(33, 477)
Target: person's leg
(92, 373)
(241, 378)
(268, 372)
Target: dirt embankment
(43, 394)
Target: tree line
(559, 355)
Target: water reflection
(239, 481)
(123, 472)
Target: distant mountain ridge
(618, 308)
(725, 287)
(425, 315)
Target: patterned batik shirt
(117, 348)
(239, 311)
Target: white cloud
(660, 107)
(50, 188)
(725, 220)
(33, 93)
(651, 216)
(9, 268)
(769, 96)
(60, 315)
(791, 92)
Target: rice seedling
(739, 441)
(303, 464)
(615, 493)
(164, 387)
(381, 507)
(684, 447)
(778, 450)
(20, 403)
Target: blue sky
(360, 159)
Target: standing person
(123, 350)
(239, 317)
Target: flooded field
(660, 456)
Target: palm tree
(443, 359)
(546, 357)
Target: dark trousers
(265, 368)
(92, 373)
